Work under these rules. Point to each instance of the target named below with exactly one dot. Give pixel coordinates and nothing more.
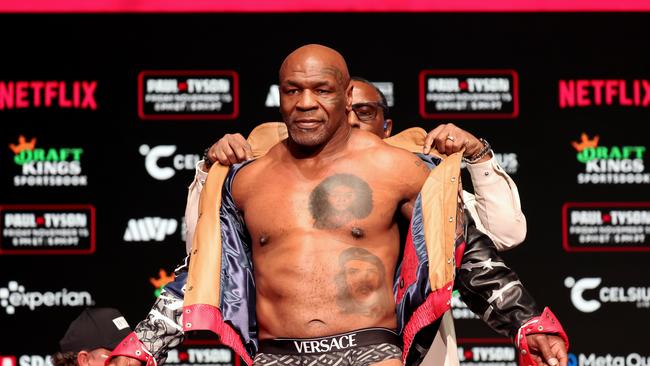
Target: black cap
(95, 328)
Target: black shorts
(359, 348)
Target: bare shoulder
(389, 157)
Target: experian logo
(14, 296)
(638, 295)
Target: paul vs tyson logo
(188, 94)
(39, 166)
(610, 164)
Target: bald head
(315, 96)
(316, 58)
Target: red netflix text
(48, 94)
(604, 92)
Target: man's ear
(388, 127)
(82, 358)
(348, 98)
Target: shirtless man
(302, 240)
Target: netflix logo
(48, 94)
(582, 93)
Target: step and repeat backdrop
(103, 117)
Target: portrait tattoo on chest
(339, 199)
(361, 284)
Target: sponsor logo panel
(47, 229)
(46, 94)
(606, 226)
(466, 94)
(590, 294)
(608, 359)
(486, 352)
(598, 93)
(188, 94)
(15, 297)
(166, 170)
(610, 164)
(202, 353)
(149, 229)
(39, 166)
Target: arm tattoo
(338, 200)
(361, 284)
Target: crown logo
(162, 279)
(585, 142)
(23, 145)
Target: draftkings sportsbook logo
(588, 294)
(161, 281)
(610, 164)
(15, 296)
(47, 166)
(469, 94)
(184, 94)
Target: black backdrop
(114, 49)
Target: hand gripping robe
(214, 288)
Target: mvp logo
(149, 229)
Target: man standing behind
(91, 337)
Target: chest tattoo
(338, 200)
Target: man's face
(341, 197)
(362, 279)
(313, 100)
(365, 102)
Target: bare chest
(355, 205)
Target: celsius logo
(638, 295)
(592, 359)
(586, 93)
(47, 94)
(14, 296)
(179, 161)
(610, 164)
(159, 283)
(580, 286)
(149, 229)
(47, 166)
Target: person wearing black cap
(91, 337)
